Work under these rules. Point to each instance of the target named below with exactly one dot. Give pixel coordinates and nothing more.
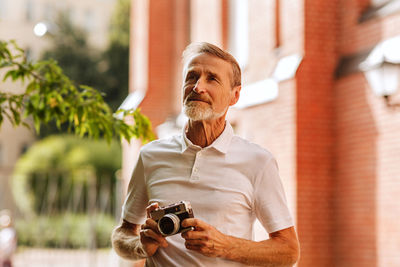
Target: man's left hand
(205, 239)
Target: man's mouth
(200, 100)
(196, 99)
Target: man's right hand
(150, 236)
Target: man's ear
(235, 94)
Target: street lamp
(40, 29)
(384, 79)
(382, 69)
(44, 27)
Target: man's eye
(190, 78)
(212, 78)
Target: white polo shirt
(229, 184)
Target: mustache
(193, 96)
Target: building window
(29, 11)
(89, 20)
(48, 12)
(72, 15)
(3, 9)
(239, 31)
(277, 23)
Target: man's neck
(204, 133)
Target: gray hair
(195, 49)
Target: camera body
(169, 218)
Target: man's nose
(199, 86)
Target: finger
(200, 245)
(195, 222)
(148, 233)
(193, 247)
(194, 235)
(196, 242)
(150, 208)
(152, 224)
(201, 248)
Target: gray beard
(198, 112)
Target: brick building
(306, 98)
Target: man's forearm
(271, 252)
(282, 249)
(127, 245)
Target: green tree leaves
(51, 96)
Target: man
(228, 181)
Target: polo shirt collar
(221, 144)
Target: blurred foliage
(107, 71)
(66, 231)
(116, 74)
(71, 51)
(65, 173)
(51, 96)
(66, 188)
(116, 57)
(120, 23)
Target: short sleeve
(134, 208)
(270, 202)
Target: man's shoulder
(249, 149)
(171, 143)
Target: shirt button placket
(195, 170)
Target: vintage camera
(169, 218)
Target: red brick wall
(367, 154)
(262, 57)
(315, 138)
(358, 36)
(168, 36)
(181, 33)
(355, 172)
(388, 182)
(367, 184)
(157, 101)
(292, 26)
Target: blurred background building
(320, 91)
(18, 19)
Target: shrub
(66, 231)
(65, 173)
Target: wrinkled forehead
(208, 62)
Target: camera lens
(169, 224)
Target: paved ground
(64, 258)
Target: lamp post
(384, 79)
(44, 27)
